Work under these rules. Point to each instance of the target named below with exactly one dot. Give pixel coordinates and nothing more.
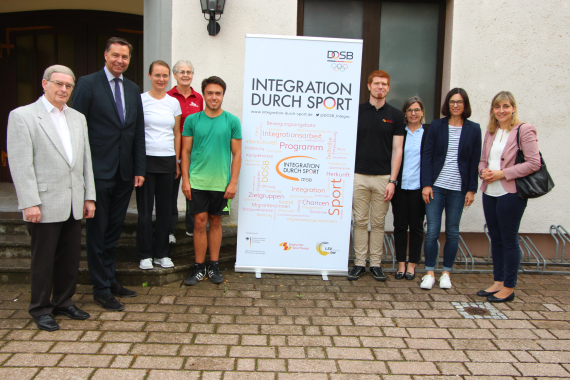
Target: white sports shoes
(427, 282)
(445, 281)
(171, 239)
(165, 262)
(146, 264)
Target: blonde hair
(493, 122)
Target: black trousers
(104, 230)
(157, 186)
(174, 218)
(56, 248)
(409, 210)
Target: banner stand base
(324, 273)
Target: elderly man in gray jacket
(50, 163)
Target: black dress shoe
(399, 275)
(378, 274)
(109, 302)
(46, 322)
(118, 290)
(482, 293)
(72, 312)
(410, 276)
(508, 298)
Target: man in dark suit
(113, 109)
(50, 164)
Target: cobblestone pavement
(296, 327)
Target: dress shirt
(60, 123)
(412, 162)
(111, 79)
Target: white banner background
(300, 112)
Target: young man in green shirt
(211, 160)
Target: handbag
(535, 184)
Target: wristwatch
(394, 182)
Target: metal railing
(532, 260)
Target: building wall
(223, 55)
(519, 46)
(124, 6)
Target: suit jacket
(39, 165)
(112, 143)
(528, 145)
(399, 184)
(468, 153)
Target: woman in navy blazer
(449, 179)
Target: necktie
(119, 101)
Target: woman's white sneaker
(165, 262)
(427, 282)
(445, 281)
(146, 264)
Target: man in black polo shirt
(379, 142)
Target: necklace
(502, 133)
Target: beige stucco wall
(124, 6)
(224, 54)
(519, 46)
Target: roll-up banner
(300, 112)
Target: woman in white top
(502, 207)
(162, 140)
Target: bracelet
(178, 161)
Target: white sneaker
(189, 233)
(146, 264)
(445, 281)
(165, 262)
(427, 282)
(171, 239)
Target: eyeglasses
(184, 72)
(456, 102)
(415, 110)
(59, 84)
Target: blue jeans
(452, 201)
(503, 216)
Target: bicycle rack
(564, 238)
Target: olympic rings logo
(339, 67)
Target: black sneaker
(377, 273)
(355, 273)
(214, 273)
(198, 274)
(118, 290)
(107, 301)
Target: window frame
(371, 43)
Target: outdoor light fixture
(213, 8)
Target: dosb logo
(331, 54)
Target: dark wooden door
(36, 40)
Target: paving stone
(305, 341)
(17, 373)
(551, 356)
(497, 369)
(202, 328)
(204, 350)
(238, 329)
(281, 330)
(315, 352)
(396, 332)
(491, 356)
(271, 365)
(249, 376)
(253, 340)
(314, 365)
(33, 360)
(471, 334)
(123, 337)
(359, 366)
(382, 342)
(252, 352)
(304, 376)
(429, 333)
(19, 334)
(123, 374)
(346, 341)
(65, 373)
(539, 369)
(75, 348)
(157, 362)
(155, 349)
(86, 361)
(444, 356)
(411, 355)
(360, 331)
(122, 326)
(59, 335)
(291, 352)
(349, 353)
(413, 368)
(123, 361)
(216, 339)
(173, 375)
(454, 369)
(116, 348)
(29, 347)
(220, 364)
(246, 365)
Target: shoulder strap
(519, 136)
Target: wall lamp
(213, 8)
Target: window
(404, 38)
